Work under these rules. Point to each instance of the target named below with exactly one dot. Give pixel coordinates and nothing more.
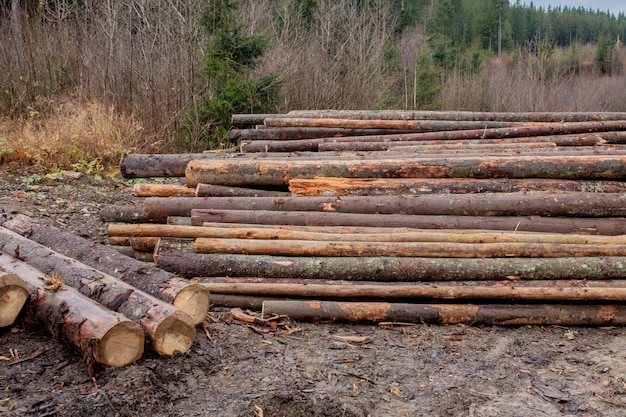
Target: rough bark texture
(414, 125)
(238, 135)
(167, 328)
(13, 295)
(189, 297)
(106, 337)
(209, 190)
(488, 314)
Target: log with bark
(190, 298)
(403, 249)
(602, 226)
(137, 165)
(412, 125)
(278, 173)
(324, 186)
(488, 314)
(538, 290)
(549, 204)
(98, 333)
(210, 190)
(487, 145)
(178, 256)
(13, 295)
(237, 135)
(167, 328)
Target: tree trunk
(288, 133)
(546, 290)
(550, 204)
(162, 190)
(160, 165)
(323, 186)
(208, 190)
(180, 258)
(491, 146)
(404, 249)
(274, 173)
(244, 302)
(189, 297)
(413, 125)
(488, 314)
(18, 32)
(110, 338)
(13, 295)
(168, 328)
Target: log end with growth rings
(122, 345)
(193, 300)
(13, 295)
(174, 334)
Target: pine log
(189, 297)
(179, 257)
(278, 173)
(151, 232)
(13, 295)
(324, 186)
(412, 125)
(549, 204)
(244, 302)
(124, 214)
(107, 337)
(601, 226)
(488, 314)
(136, 165)
(167, 328)
(209, 190)
(162, 190)
(179, 220)
(256, 119)
(143, 244)
(503, 146)
(237, 135)
(404, 249)
(544, 290)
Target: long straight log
(256, 119)
(278, 173)
(210, 190)
(413, 125)
(179, 257)
(244, 302)
(13, 295)
(489, 314)
(323, 186)
(601, 226)
(150, 231)
(546, 290)
(167, 328)
(162, 190)
(190, 298)
(420, 147)
(236, 135)
(410, 249)
(549, 204)
(107, 337)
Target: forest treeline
(167, 74)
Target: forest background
(84, 81)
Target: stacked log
(399, 216)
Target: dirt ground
(301, 369)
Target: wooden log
(488, 314)
(323, 186)
(106, 337)
(539, 290)
(190, 298)
(508, 146)
(168, 329)
(410, 249)
(181, 259)
(278, 173)
(244, 302)
(143, 244)
(13, 295)
(256, 119)
(152, 232)
(119, 241)
(601, 226)
(209, 190)
(124, 214)
(162, 190)
(549, 204)
(136, 165)
(412, 125)
(238, 135)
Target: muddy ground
(301, 369)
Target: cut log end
(174, 334)
(13, 295)
(193, 300)
(122, 345)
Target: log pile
(442, 217)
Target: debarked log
(107, 337)
(488, 314)
(548, 204)
(190, 298)
(541, 290)
(13, 295)
(324, 186)
(278, 173)
(184, 261)
(162, 190)
(167, 328)
(411, 249)
(602, 226)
